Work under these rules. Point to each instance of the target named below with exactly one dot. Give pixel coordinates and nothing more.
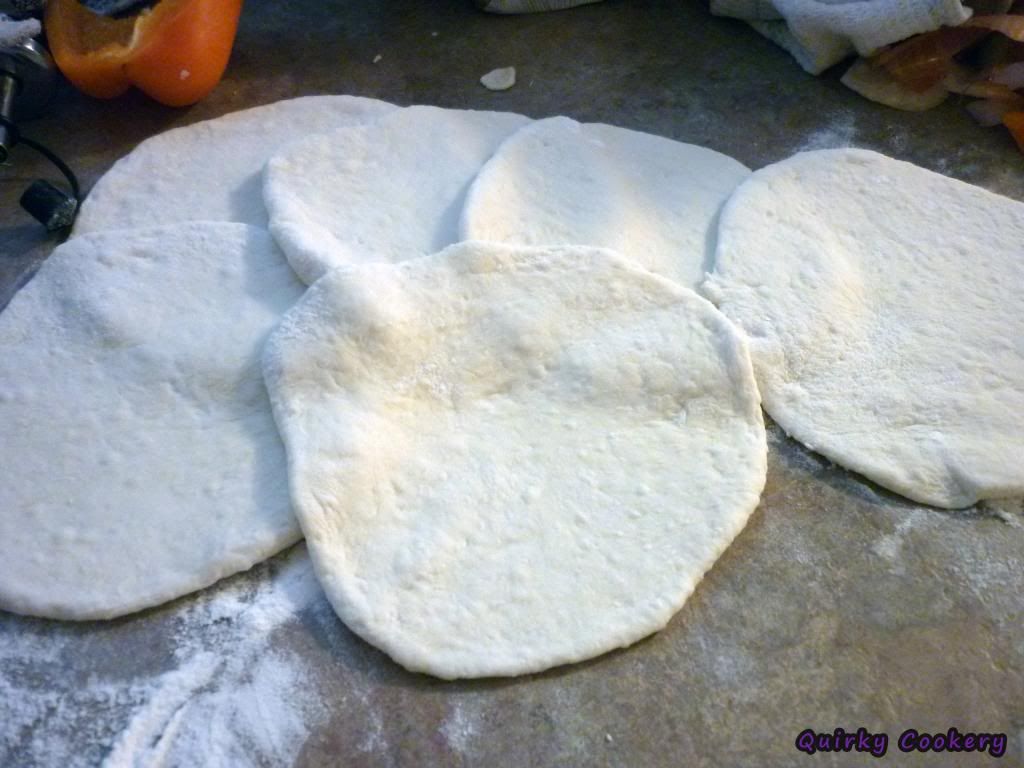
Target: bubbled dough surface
(505, 459)
(140, 456)
(886, 313)
(386, 191)
(212, 170)
(559, 182)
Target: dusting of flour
(230, 694)
(840, 131)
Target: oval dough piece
(886, 314)
(140, 456)
(212, 170)
(388, 191)
(504, 459)
(559, 182)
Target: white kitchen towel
(14, 33)
(820, 33)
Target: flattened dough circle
(559, 182)
(141, 461)
(885, 306)
(508, 458)
(388, 191)
(212, 170)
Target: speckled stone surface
(839, 605)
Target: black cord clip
(50, 206)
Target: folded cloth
(14, 33)
(820, 33)
(528, 6)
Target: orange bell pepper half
(1015, 122)
(175, 52)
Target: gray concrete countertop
(839, 605)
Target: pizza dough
(212, 170)
(505, 459)
(140, 456)
(886, 314)
(559, 182)
(388, 191)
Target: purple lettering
(862, 740)
(998, 745)
(837, 734)
(811, 742)
(879, 744)
(955, 742)
(805, 741)
(908, 740)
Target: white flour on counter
(840, 131)
(232, 694)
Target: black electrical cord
(49, 205)
(54, 158)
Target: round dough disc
(885, 308)
(211, 171)
(559, 182)
(140, 456)
(508, 458)
(388, 191)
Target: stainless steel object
(28, 78)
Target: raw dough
(885, 305)
(383, 192)
(505, 458)
(140, 457)
(557, 182)
(212, 170)
(499, 79)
